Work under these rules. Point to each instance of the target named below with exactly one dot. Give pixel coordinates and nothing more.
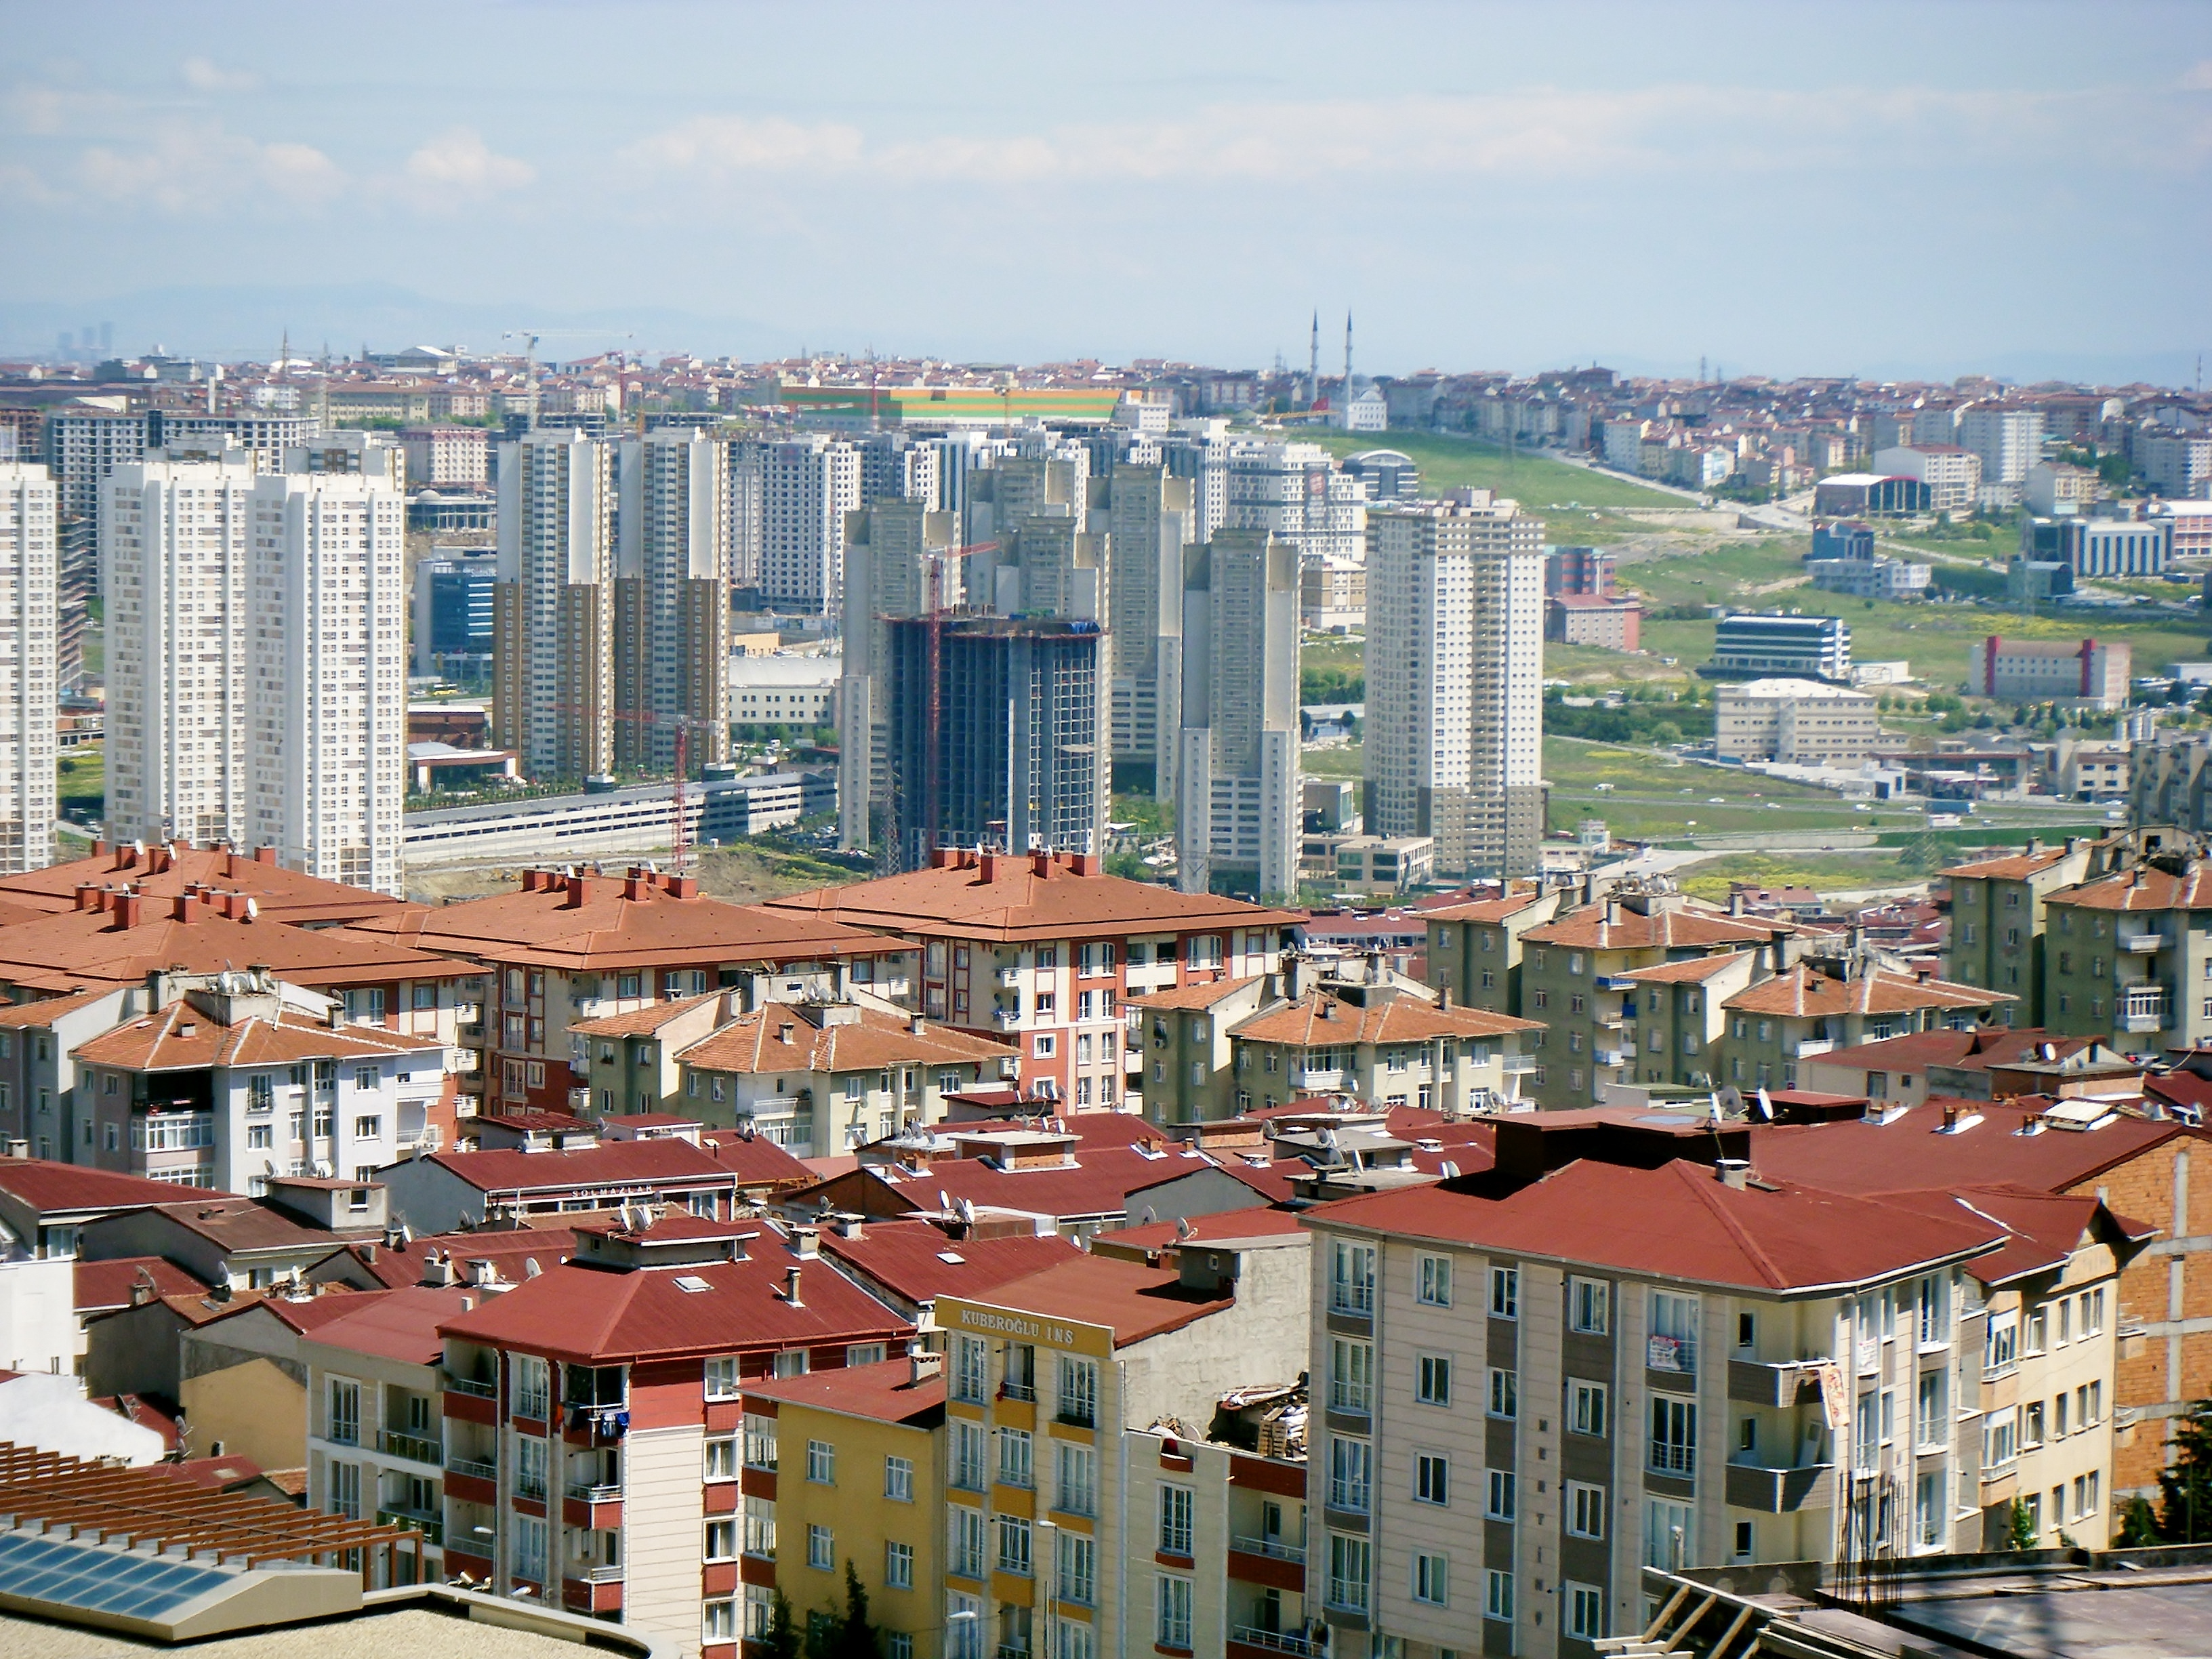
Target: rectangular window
(1504, 1292)
(530, 1548)
(1585, 1612)
(530, 1387)
(1673, 1343)
(1013, 1544)
(1670, 1534)
(1585, 1510)
(1352, 1277)
(1350, 1567)
(1178, 1513)
(1504, 1393)
(1077, 1478)
(344, 1425)
(1433, 1383)
(760, 1442)
(529, 1466)
(1674, 1436)
(1498, 1595)
(1351, 1377)
(718, 1621)
(721, 1457)
(821, 1463)
(964, 1552)
(722, 1378)
(1586, 1407)
(971, 1368)
(1432, 1478)
(721, 1543)
(1075, 1567)
(1079, 1392)
(1432, 1280)
(1432, 1580)
(1589, 1306)
(898, 1566)
(1173, 1602)
(898, 1480)
(1015, 1450)
(1351, 1465)
(1932, 1414)
(821, 1548)
(1500, 1507)
(2001, 1438)
(760, 1529)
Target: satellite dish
(944, 1203)
(1765, 1106)
(1449, 1169)
(968, 1211)
(253, 908)
(1728, 1101)
(529, 1267)
(1183, 1229)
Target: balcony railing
(605, 1493)
(1813, 1046)
(2141, 944)
(1007, 1019)
(1672, 1457)
(1275, 1641)
(1513, 1064)
(1781, 1492)
(477, 1468)
(414, 1446)
(2143, 1010)
(1274, 1548)
(469, 1385)
(1011, 1389)
(1613, 982)
(1671, 1353)
(432, 1528)
(596, 1575)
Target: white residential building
(672, 632)
(326, 627)
(1798, 722)
(553, 621)
(174, 540)
(1454, 677)
(2008, 440)
(808, 485)
(1295, 491)
(1239, 803)
(1148, 518)
(29, 512)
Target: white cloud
(737, 143)
(203, 75)
(189, 166)
(457, 161)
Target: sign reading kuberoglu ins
(1081, 1338)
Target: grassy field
(81, 777)
(1824, 872)
(1575, 504)
(1343, 762)
(743, 874)
(1655, 796)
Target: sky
(1916, 190)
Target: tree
(2022, 1528)
(2185, 1488)
(846, 1635)
(2138, 1526)
(781, 1640)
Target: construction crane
(679, 827)
(531, 337)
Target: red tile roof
(183, 1037)
(885, 1392)
(1911, 1152)
(104, 1284)
(1975, 1050)
(1015, 902)
(508, 1250)
(76, 949)
(162, 872)
(1225, 1227)
(755, 1043)
(55, 1188)
(2144, 888)
(1321, 1021)
(1680, 1222)
(616, 923)
(1480, 910)
(1587, 929)
(2045, 1228)
(1805, 992)
(402, 1324)
(1201, 995)
(756, 1161)
(641, 1022)
(611, 1163)
(916, 1261)
(46, 1010)
(1696, 971)
(1135, 1302)
(2012, 866)
(594, 1315)
(244, 1224)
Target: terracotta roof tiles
(182, 1038)
(1587, 929)
(1803, 992)
(1319, 1020)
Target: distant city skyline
(1777, 189)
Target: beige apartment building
(1796, 723)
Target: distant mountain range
(231, 323)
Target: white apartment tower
(1295, 491)
(553, 621)
(29, 556)
(896, 551)
(173, 541)
(671, 654)
(1238, 811)
(1148, 518)
(1454, 681)
(327, 655)
(808, 485)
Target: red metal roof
(917, 1261)
(55, 1188)
(1135, 1302)
(886, 1392)
(104, 1284)
(1912, 1152)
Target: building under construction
(1005, 744)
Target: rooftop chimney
(791, 1287)
(1733, 1172)
(264, 855)
(188, 907)
(922, 1364)
(989, 866)
(806, 1243)
(127, 908)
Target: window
(1173, 1603)
(2092, 1302)
(760, 1442)
(1585, 1510)
(1078, 1479)
(721, 1541)
(722, 1377)
(1013, 1544)
(722, 1458)
(1178, 1510)
(2031, 1424)
(1432, 1580)
(2000, 1347)
(530, 1548)
(821, 1548)
(898, 1480)
(1928, 1509)
(258, 1136)
(971, 1368)
(898, 1566)
(1932, 1415)
(530, 1387)
(1075, 1566)
(1015, 1452)
(1350, 1561)
(1669, 1533)
(821, 1463)
(344, 1425)
(1672, 1345)
(964, 1554)
(1079, 1392)
(1432, 1478)
(1352, 1277)
(1351, 1377)
(1351, 1464)
(1585, 1612)
(1506, 1294)
(1674, 1436)
(1504, 1393)
(2087, 1494)
(1432, 1281)
(760, 1529)
(1498, 1595)
(1433, 1385)
(1586, 1407)
(718, 1621)
(1933, 1310)
(529, 1466)
(2000, 1437)
(1588, 1305)
(1500, 1507)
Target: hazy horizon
(1893, 191)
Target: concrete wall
(255, 1408)
(663, 1520)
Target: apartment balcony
(2141, 944)
(415, 1448)
(585, 1491)
(2144, 1010)
(1006, 1020)
(1613, 982)
(1270, 1641)
(1274, 1549)
(432, 1528)
(1788, 1383)
(472, 1387)
(1781, 1492)
(1517, 1065)
(1619, 1056)
(1007, 978)
(472, 1468)
(1677, 1355)
(1811, 1046)
(579, 1101)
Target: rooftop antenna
(1347, 365)
(1313, 363)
